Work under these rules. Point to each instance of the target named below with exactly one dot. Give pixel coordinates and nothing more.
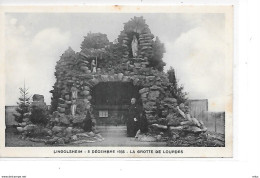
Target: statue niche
(74, 96)
(134, 46)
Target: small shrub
(39, 115)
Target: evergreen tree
(54, 99)
(171, 76)
(23, 104)
(176, 90)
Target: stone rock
(66, 140)
(23, 124)
(193, 129)
(91, 134)
(154, 87)
(111, 77)
(47, 131)
(143, 90)
(120, 76)
(68, 130)
(173, 120)
(126, 79)
(84, 68)
(78, 119)
(176, 128)
(137, 65)
(67, 97)
(62, 105)
(98, 135)
(74, 138)
(147, 138)
(60, 141)
(170, 100)
(61, 110)
(65, 120)
(20, 129)
(37, 140)
(83, 135)
(37, 97)
(152, 121)
(68, 102)
(26, 120)
(86, 88)
(153, 95)
(164, 113)
(158, 137)
(88, 75)
(104, 78)
(52, 119)
(30, 127)
(60, 134)
(85, 92)
(57, 119)
(86, 101)
(55, 114)
(149, 105)
(60, 100)
(144, 95)
(83, 141)
(57, 129)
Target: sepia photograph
(119, 80)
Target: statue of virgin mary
(134, 46)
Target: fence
(214, 121)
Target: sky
(195, 48)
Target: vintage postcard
(116, 81)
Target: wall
(9, 118)
(197, 107)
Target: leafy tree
(23, 104)
(158, 50)
(176, 90)
(95, 40)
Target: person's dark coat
(132, 125)
(87, 124)
(143, 123)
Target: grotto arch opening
(110, 101)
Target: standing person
(132, 119)
(143, 125)
(87, 124)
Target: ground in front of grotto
(113, 136)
